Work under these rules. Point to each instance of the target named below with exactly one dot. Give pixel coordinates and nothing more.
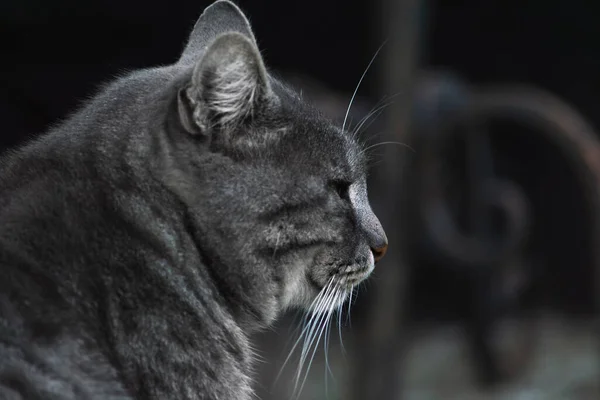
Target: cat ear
(221, 17)
(228, 86)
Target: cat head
(278, 191)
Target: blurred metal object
(479, 246)
(486, 192)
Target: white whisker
(276, 244)
(335, 299)
(382, 143)
(326, 304)
(316, 346)
(317, 324)
(379, 106)
(340, 329)
(309, 330)
(349, 304)
(326, 349)
(366, 118)
(359, 82)
(326, 345)
(315, 333)
(315, 303)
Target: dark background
(55, 53)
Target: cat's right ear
(228, 87)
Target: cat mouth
(344, 274)
(337, 284)
(344, 277)
(352, 275)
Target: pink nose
(379, 252)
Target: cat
(178, 211)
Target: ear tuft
(229, 84)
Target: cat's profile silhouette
(178, 211)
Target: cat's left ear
(228, 87)
(221, 17)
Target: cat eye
(341, 188)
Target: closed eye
(342, 188)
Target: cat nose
(379, 252)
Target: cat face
(286, 187)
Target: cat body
(180, 210)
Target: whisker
(375, 163)
(385, 98)
(298, 322)
(374, 136)
(322, 312)
(359, 82)
(378, 109)
(376, 115)
(326, 348)
(340, 329)
(317, 324)
(321, 328)
(335, 299)
(313, 305)
(312, 323)
(382, 143)
(366, 118)
(349, 304)
(355, 129)
(276, 244)
(315, 334)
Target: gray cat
(180, 210)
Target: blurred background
(481, 115)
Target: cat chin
(331, 279)
(329, 298)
